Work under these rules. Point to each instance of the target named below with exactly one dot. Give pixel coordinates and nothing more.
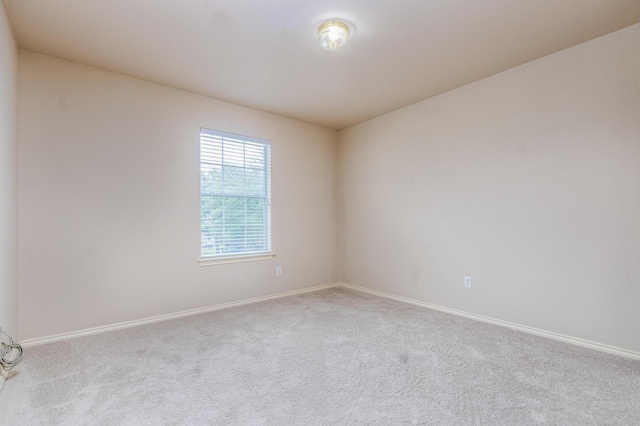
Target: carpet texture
(333, 357)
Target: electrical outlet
(278, 271)
(467, 281)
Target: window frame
(225, 258)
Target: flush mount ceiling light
(333, 34)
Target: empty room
(363, 212)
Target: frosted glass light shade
(333, 34)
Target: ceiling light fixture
(333, 34)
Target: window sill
(209, 261)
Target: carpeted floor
(333, 357)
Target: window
(235, 191)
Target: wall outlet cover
(467, 281)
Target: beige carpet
(329, 358)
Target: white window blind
(235, 192)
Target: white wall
(109, 200)
(528, 180)
(8, 178)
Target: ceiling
(265, 54)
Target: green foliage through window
(235, 190)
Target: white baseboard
(128, 324)
(531, 330)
